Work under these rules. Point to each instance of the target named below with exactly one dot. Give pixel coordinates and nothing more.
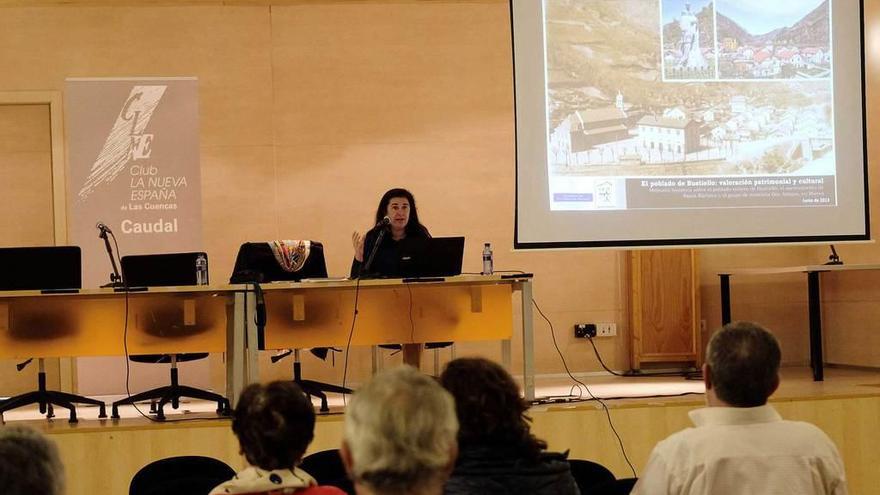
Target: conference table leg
(235, 348)
(725, 299)
(252, 343)
(506, 353)
(412, 355)
(815, 303)
(528, 340)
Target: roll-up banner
(133, 165)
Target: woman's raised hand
(357, 240)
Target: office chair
(588, 474)
(190, 475)
(263, 262)
(312, 388)
(328, 470)
(157, 270)
(429, 346)
(53, 268)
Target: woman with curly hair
(497, 452)
(274, 423)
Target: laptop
(160, 270)
(431, 257)
(41, 268)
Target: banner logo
(127, 140)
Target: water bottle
(487, 259)
(201, 270)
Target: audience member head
(29, 463)
(399, 435)
(489, 407)
(742, 365)
(274, 423)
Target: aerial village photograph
(791, 40)
(653, 103)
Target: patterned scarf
(291, 255)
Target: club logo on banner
(134, 166)
(127, 141)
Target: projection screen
(673, 122)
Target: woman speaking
(399, 207)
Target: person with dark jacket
(397, 218)
(498, 455)
(399, 207)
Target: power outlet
(584, 330)
(606, 329)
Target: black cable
(558, 351)
(357, 288)
(125, 336)
(633, 374)
(658, 396)
(601, 362)
(572, 399)
(593, 397)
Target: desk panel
(88, 324)
(315, 317)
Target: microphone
(386, 221)
(103, 228)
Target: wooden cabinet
(665, 307)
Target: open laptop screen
(431, 257)
(160, 270)
(40, 268)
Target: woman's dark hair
(274, 423)
(414, 226)
(489, 407)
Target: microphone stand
(115, 278)
(365, 268)
(834, 259)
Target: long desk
(92, 322)
(220, 318)
(319, 314)
(813, 297)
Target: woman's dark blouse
(387, 260)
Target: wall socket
(606, 329)
(584, 330)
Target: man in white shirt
(740, 444)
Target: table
(813, 297)
(220, 318)
(319, 313)
(91, 322)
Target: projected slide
(674, 104)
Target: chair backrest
(588, 474)
(184, 475)
(37, 268)
(617, 487)
(327, 468)
(256, 263)
(158, 270)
